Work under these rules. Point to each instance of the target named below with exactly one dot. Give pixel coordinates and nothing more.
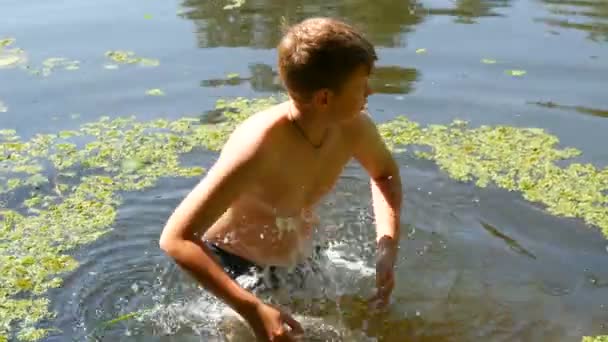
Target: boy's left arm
(372, 153)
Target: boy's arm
(234, 171)
(373, 154)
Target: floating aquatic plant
(421, 51)
(595, 339)
(129, 57)
(63, 189)
(234, 4)
(53, 63)
(11, 57)
(155, 92)
(516, 159)
(6, 42)
(16, 57)
(488, 61)
(516, 73)
(63, 193)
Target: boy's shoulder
(258, 129)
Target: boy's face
(352, 98)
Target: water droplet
(135, 287)
(417, 313)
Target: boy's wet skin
(272, 223)
(256, 204)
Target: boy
(255, 205)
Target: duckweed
(53, 63)
(155, 92)
(516, 159)
(234, 4)
(64, 188)
(516, 73)
(596, 339)
(129, 57)
(11, 57)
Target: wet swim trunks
(270, 277)
(233, 264)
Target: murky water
(476, 264)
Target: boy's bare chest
(299, 178)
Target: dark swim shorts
(271, 277)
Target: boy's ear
(322, 97)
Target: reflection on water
(263, 78)
(475, 264)
(465, 11)
(580, 109)
(393, 80)
(590, 16)
(258, 23)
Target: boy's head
(323, 57)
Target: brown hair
(321, 53)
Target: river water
(475, 264)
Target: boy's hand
(268, 324)
(385, 281)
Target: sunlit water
(475, 264)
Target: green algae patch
(595, 339)
(51, 64)
(129, 57)
(5, 42)
(63, 191)
(516, 159)
(155, 92)
(516, 73)
(234, 4)
(11, 57)
(16, 57)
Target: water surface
(474, 264)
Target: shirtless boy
(256, 204)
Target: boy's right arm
(236, 169)
(181, 236)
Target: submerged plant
(63, 189)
